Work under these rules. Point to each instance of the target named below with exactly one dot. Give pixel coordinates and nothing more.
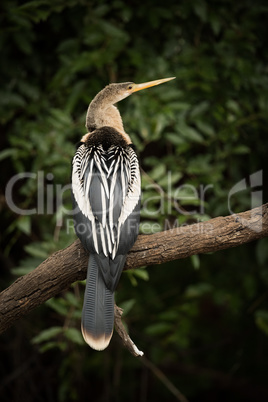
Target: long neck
(102, 112)
(100, 115)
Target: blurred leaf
(199, 109)
(195, 261)
(261, 319)
(158, 329)
(6, 153)
(204, 127)
(127, 305)
(141, 273)
(35, 251)
(158, 171)
(59, 305)
(262, 251)
(47, 334)
(24, 224)
(198, 290)
(74, 335)
(241, 149)
(189, 133)
(201, 10)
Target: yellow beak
(139, 87)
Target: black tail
(98, 309)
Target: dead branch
(120, 329)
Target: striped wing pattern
(106, 189)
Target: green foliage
(202, 319)
(261, 317)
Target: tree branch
(120, 329)
(69, 265)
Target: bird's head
(102, 112)
(124, 89)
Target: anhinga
(106, 199)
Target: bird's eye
(130, 87)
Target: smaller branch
(120, 329)
(163, 378)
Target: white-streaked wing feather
(81, 158)
(134, 189)
(133, 192)
(122, 162)
(81, 185)
(103, 206)
(111, 198)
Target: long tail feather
(98, 309)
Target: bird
(106, 196)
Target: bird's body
(106, 199)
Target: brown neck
(102, 112)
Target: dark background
(202, 321)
